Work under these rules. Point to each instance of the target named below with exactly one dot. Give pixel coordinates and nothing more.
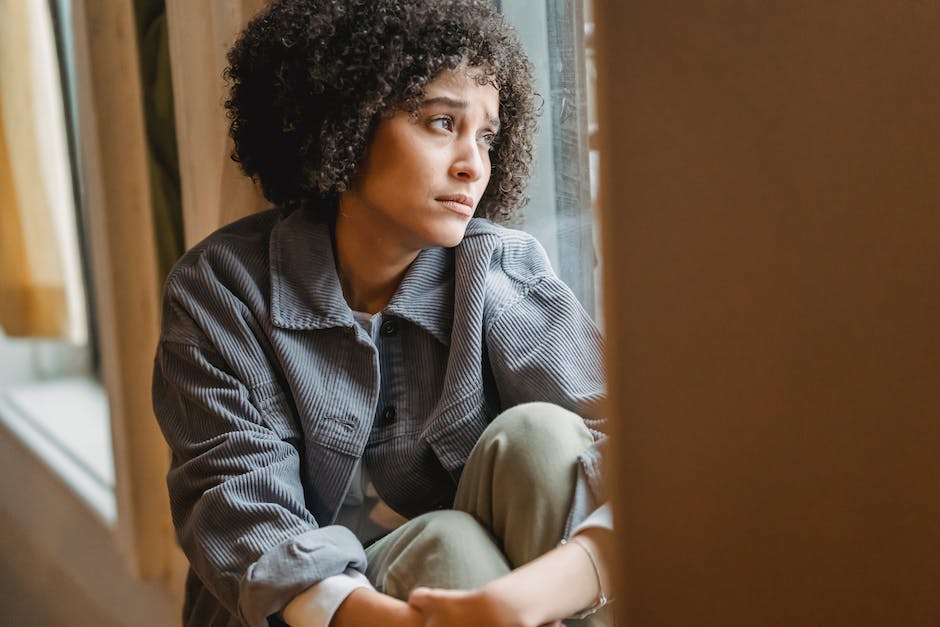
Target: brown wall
(772, 250)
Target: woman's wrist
(511, 601)
(366, 606)
(562, 583)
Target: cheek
(488, 169)
(426, 165)
(413, 163)
(386, 175)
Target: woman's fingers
(419, 597)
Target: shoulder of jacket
(516, 253)
(236, 247)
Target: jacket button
(389, 328)
(389, 413)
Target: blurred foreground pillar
(771, 225)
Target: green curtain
(163, 159)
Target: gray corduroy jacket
(268, 393)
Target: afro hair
(310, 79)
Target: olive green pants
(511, 506)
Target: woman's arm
(558, 584)
(367, 606)
(362, 605)
(235, 490)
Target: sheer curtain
(214, 190)
(41, 291)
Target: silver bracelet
(601, 596)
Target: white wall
(58, 561)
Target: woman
(381, 409)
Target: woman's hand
(557, 584)
(459, 608)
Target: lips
(458, 203)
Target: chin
(450, 235)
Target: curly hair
(310, 79)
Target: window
(81, 400)
(561, 212)
(49, 394)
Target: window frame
(118, 228)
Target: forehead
(465, 83)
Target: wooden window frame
(124, 286)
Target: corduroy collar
(306, 293)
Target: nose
(469, 163)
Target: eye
(488, 139)
(444, 122)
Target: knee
(537, 426)
(533, 443)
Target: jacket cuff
(316, 605)
(287, 569)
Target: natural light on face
(425, 173)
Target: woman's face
(423, 176)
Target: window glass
(49, 393)
(561, 214)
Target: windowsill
(58, 508)
(65, 423)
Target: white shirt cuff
(602, 518)
(315, 606)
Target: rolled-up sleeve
(235, 490)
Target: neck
(369, 264)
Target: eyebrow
(454, 104)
